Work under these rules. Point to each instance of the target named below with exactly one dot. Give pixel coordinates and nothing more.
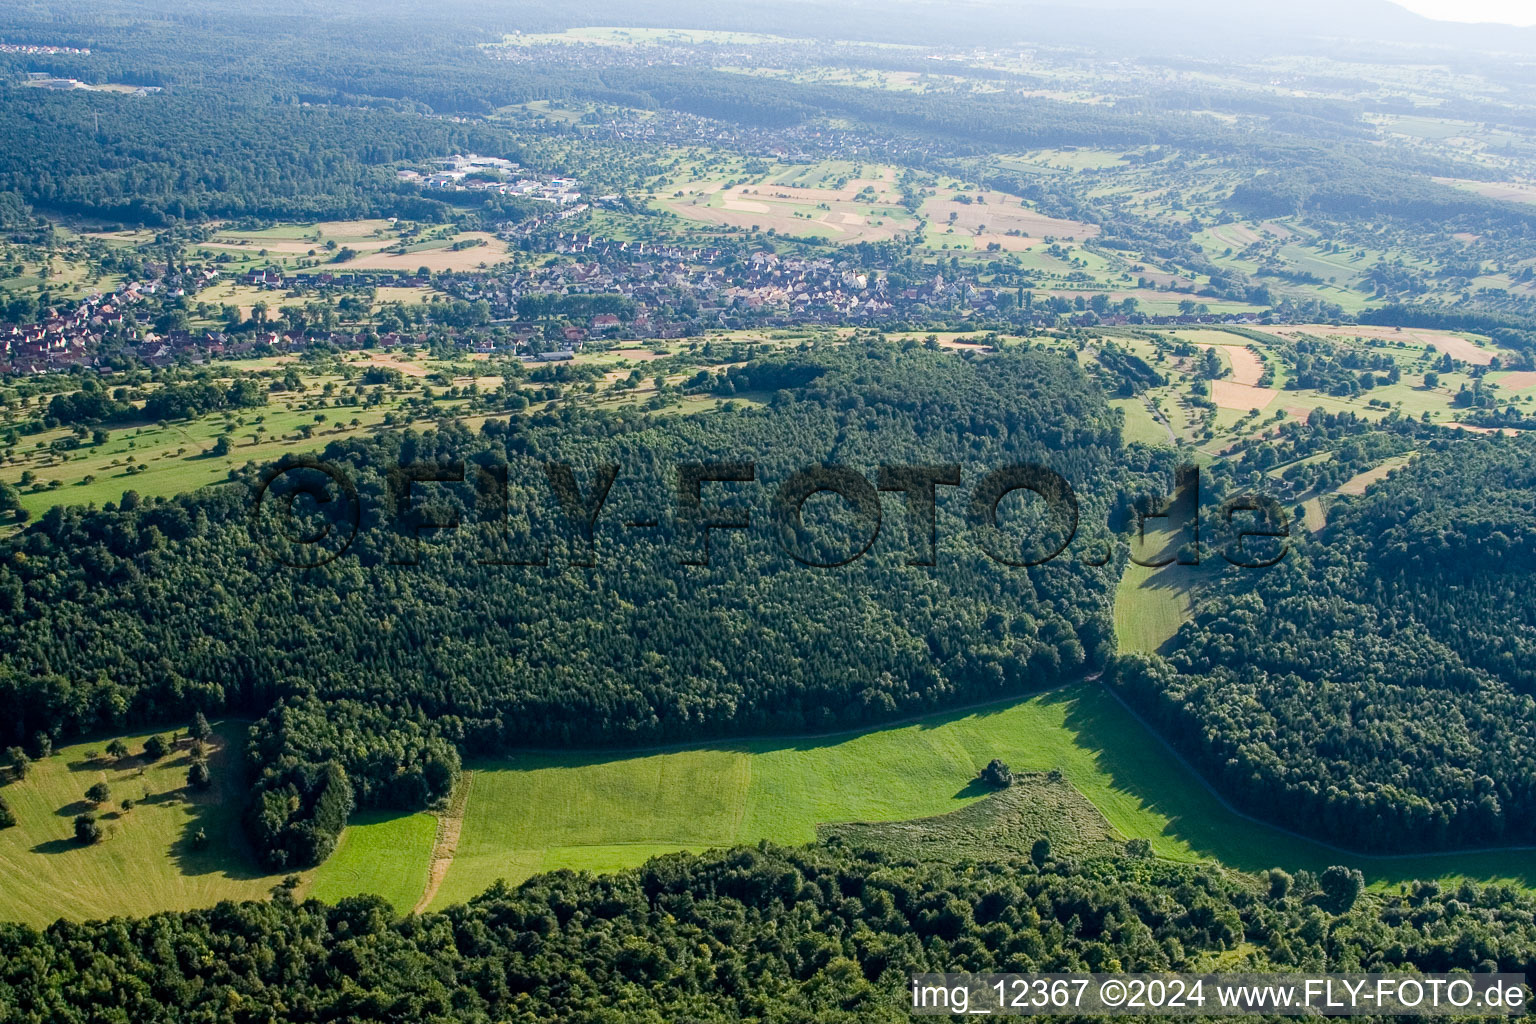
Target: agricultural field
(987, 218)
(1154, 600)
(338, 246)
(862, 210)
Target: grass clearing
(1141, 426)
(1151, 603)
(539, 812)
(381, 852)
(146, 862)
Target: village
(603, 289)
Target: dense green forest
(1377, 687)
(133, 615)
(818, 934)
(197, 154)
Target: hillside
(1376, 688)
(375, 677)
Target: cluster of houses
(662, 291)
(74, 337)
(273, 279)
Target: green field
(1141, 426)
(383, 852)
(146, 862)
(540, 812)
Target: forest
(385, 665)
(816, 934)
(1377, 686)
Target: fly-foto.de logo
(307, 513)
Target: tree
(996, 774)
(87, 828)
(1279, 883)
(1341, 887)
(99, 793)
(198, 776)
(20, 762)
(1040, 852)
(201, 730)
(7, 816)
(156, 747)
(117, 749)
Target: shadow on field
(57, 846)
(216, 813)
(974, 788)
(1140, 766)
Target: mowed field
(146, 862)
(541, 812)
(1152, 601)
(386, 853)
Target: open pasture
(544, 811)
(148, 860)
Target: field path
(449, 826)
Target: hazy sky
(1509, 12)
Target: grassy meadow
(382, 852)
(545, 811)
(146, 862)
